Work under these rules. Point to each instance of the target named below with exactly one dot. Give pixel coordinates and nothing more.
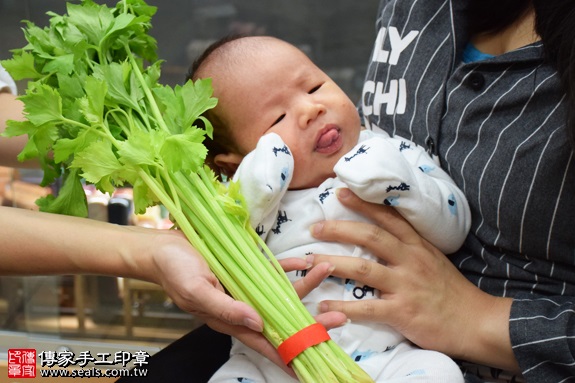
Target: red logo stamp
(21, 363)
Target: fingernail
(316, 228)
(322, 307)
(309, 259)
(343, 193)
(331, 269)
(252, 325)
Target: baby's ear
(228, 163)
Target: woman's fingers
(313, 275)
(376, 240)
(388, 237)
(331, 319)
(225, 308)
(257, 342)
(372, 310)
(313, 278)
(385, 217)
(253, 340)
(359, 269)
(294, 263)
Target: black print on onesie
(362, 150)
(403, 146)
(401, 187)
(260, 230)
(281, 150)
(359, 292)
(282, 218)
(324, 195)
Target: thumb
(231, 311)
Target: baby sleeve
(7, 84)
(396, 172)
(264, 176)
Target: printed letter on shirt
(397, 44)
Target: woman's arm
(424, 296)
(36, 243)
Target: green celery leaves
(95, 112)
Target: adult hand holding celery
(96, 112)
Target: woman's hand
(423, 295)
(187, 279)
(256, 340)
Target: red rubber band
(300, 341)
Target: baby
(291, 137)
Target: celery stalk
(96, 114)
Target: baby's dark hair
(222, 141)
(203, 57)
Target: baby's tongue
(327, 139)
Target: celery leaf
(21, 67)
(184, 151)
(70, 199)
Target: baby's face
(278, 89)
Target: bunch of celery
(96, 112)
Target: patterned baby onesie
(380, 169)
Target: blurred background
(93, 313)
(336, 34)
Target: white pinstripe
(514, 248)
(557, 203)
